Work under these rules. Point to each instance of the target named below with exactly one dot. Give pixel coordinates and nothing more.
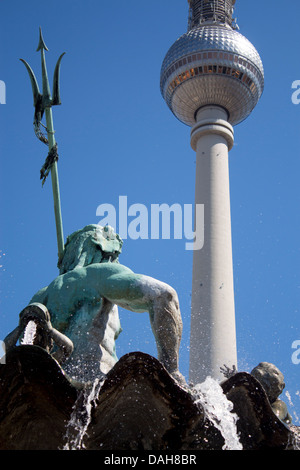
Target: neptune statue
(83, 304)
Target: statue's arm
(12, 338)
(64, 344)
(135, 292)
(140, 293)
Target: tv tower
(212, 78)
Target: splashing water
(294, 440)
(218, 408)
(288, 395)
(30, 333)
(81, 416)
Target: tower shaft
(212, 78)
(213, 334)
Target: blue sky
(116, 137)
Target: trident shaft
(43, 104)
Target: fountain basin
(140, 407)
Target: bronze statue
(83, 302)
(272, 380)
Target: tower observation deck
(211, 63)
(211, 79)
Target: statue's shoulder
(107, 269)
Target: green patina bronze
(43, 103)
(83, 302)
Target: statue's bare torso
(83, 305)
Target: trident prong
(43, 103)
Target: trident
(43, 103)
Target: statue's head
(92, 244)
(270, 378)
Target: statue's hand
(227, 372)
(179, 379)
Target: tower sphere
(211, 64)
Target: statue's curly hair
(92, 244)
